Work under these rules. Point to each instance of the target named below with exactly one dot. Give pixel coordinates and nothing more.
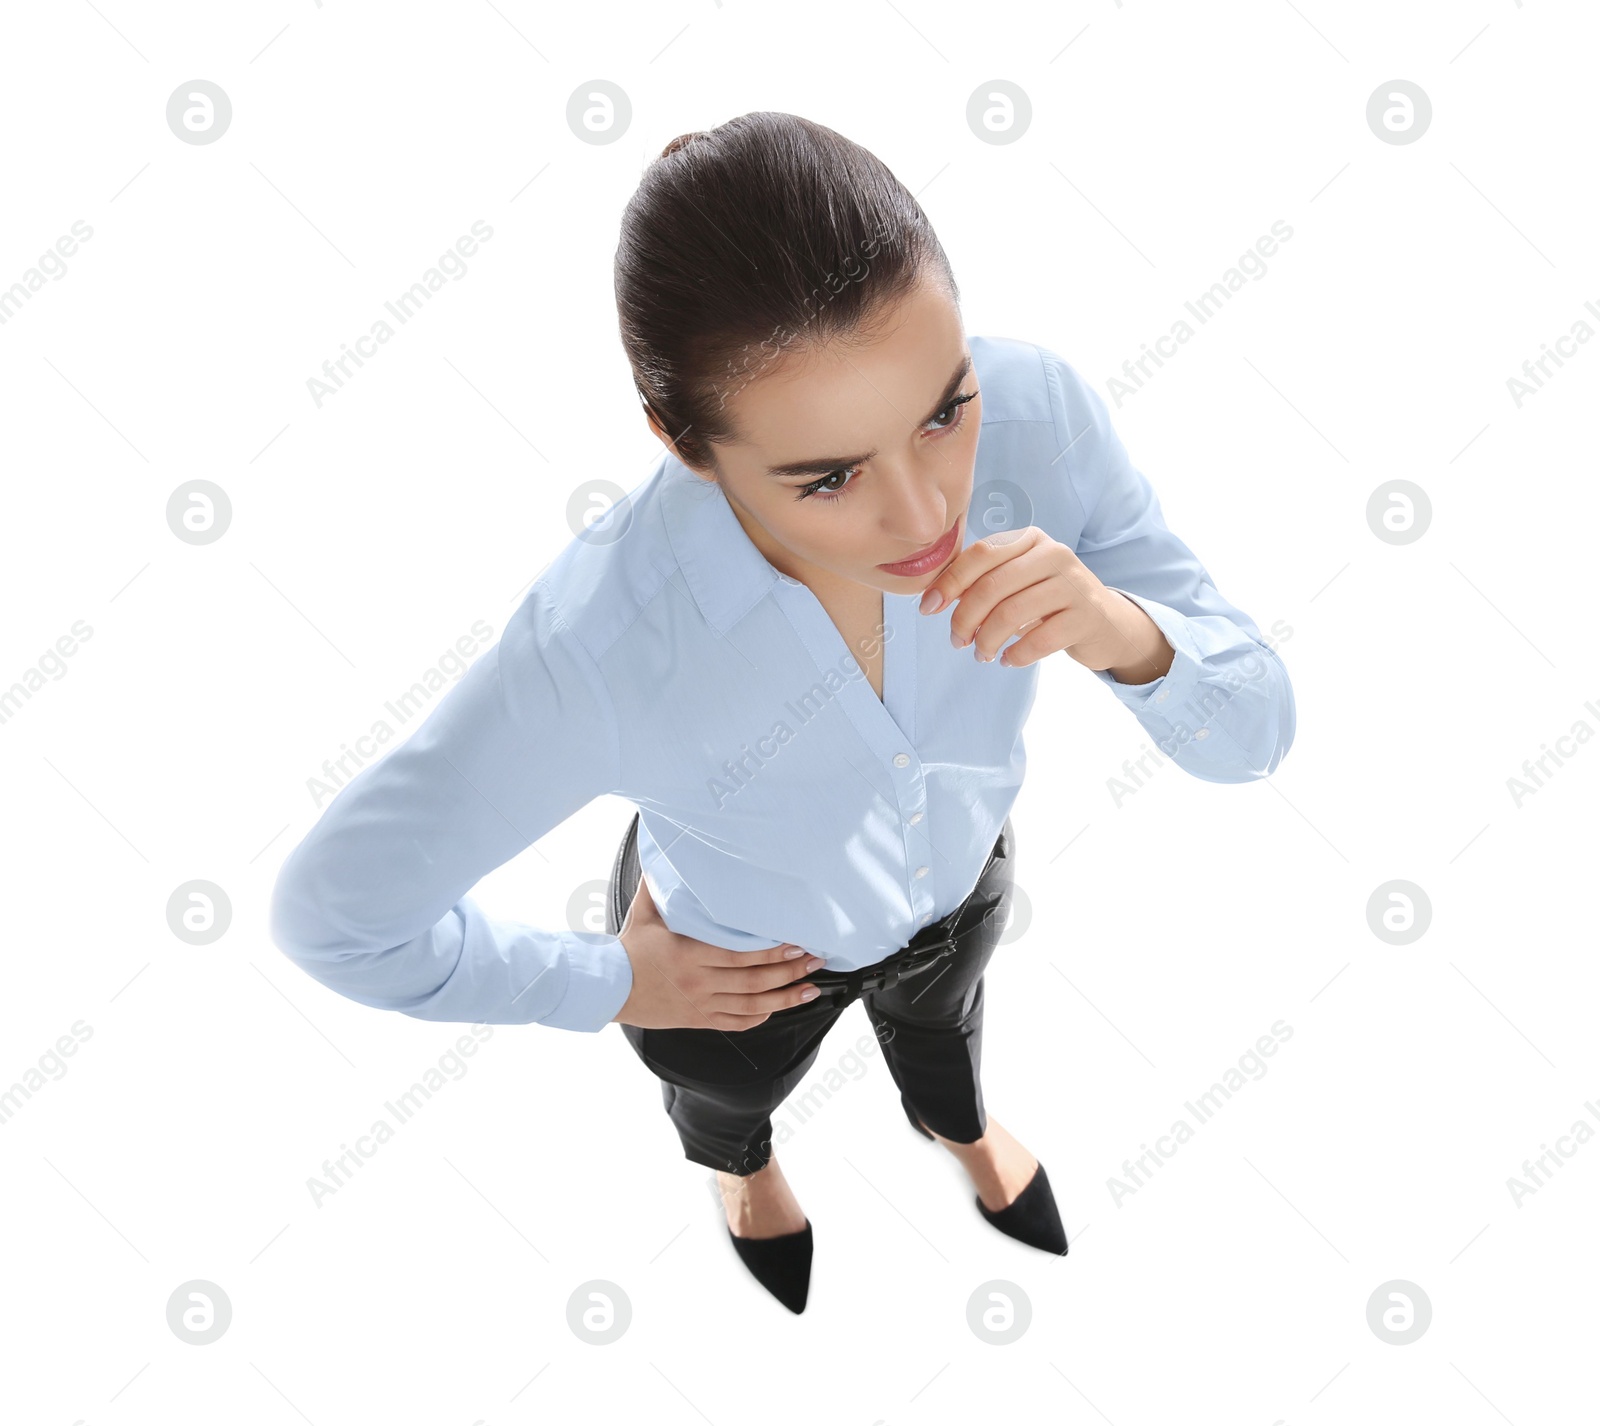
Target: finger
(1044, 638)
(1013, 614)
(751, 979)
(975, 561)
(787, 952)
(982, 598)
(1059, 632)
(765, 1002)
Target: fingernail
(937, 596)
(810, 993)
(814, 964)
(955, 639)
(794, 951)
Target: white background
(368, 535)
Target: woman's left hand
(1023, 582)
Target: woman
(763, 649)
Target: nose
(918, 512)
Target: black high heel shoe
(782, 1265)
(1031, 1217)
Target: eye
(953, 411)
(954, 406)
(815, 489)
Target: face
(854, 458)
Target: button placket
(907, 625)
(917, 887)
(885, 723)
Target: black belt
(926, 949)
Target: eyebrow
(822, 465)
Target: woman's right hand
(682, 983)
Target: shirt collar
(726, 573)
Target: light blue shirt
(660, 658)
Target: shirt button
(1203, 733)
(915, 818)
(1162, 696)
(927, 917)
(922, 871)
(900, 759)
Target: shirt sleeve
(373, 901)
(1225, 710)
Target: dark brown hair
(748, 240)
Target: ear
(654, 425)
(666, 440)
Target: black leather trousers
(720, 1087)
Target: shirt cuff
(599, 981)
(1174, 686)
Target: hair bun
(681, 140)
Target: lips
(930, 559)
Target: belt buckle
(914, 963)
(918, 961)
